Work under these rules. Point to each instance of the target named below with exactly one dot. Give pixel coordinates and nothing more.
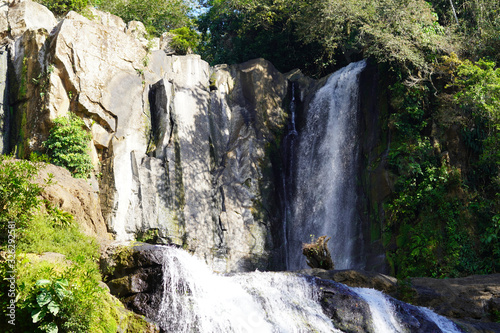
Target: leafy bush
(61, 7)
(50, 295)
(18, 193)
(185, 40)
(67, 145)
(157, 15)
(443, 221)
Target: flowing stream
(326, 172)
(197, 300)
(194, 299)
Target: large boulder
(27, 15)
(474, 297)
(357, 279)
(134, 273)
(75, 196)
(4, 22)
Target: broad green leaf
(53, 308)
(62, 282)
(38, 315)
(43, 298)
(51, 328)
(42, 282)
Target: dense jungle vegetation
(440, 64)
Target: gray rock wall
(181, 149)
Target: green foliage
(50, 295)
(410, 119)
(403, 33)
(235, 31)
(157, 15)
(46, 234)
(425, 219)
(443, 221)
(61, 7)
(185, 40)
(60, 293)
(479, 90)
(149, 236)
(67, 146)
(18, 193)
(314, 35)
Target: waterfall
(194, 299)
(326, 171)
(197, 300)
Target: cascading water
(197, 300)
(289, 144)
(384, 316)
(194, 299)
(326, 169)
(382, 311)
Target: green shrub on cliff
(18, 193)
(67, 145)
(185, 40)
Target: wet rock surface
(472, 302)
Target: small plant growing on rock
(67, 145)
(49, 298)
(317, 253)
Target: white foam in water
(197, 300)
(443, 323)
(382, 311)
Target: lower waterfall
(197, 300)
(326, 172)
(194, 299)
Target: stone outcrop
(351, 314)
(474, 297)
(28, 15)
(77, 197)
(134, 274)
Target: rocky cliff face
(182, 148)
